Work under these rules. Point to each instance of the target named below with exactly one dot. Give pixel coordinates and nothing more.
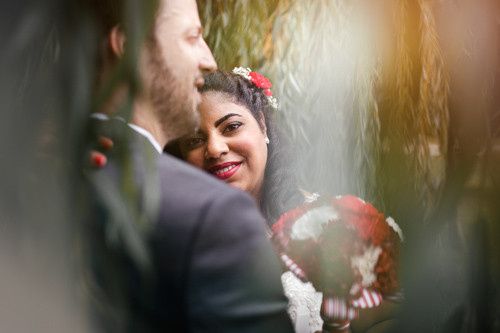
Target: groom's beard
(173, 98)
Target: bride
(239, 143)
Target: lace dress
(304, 304)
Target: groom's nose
(207, 61)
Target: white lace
(304, 304)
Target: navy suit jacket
(212, 267)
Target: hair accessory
(260, 81)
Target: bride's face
(230, 143)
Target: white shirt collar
(145, 133)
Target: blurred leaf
(236, 30)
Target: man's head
(171, 65)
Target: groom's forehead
(178, 14)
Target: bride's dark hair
(279, 189)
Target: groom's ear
(116, 40)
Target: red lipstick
(225, 170)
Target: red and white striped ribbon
(335, 308)
(368, 299)
(293, 267)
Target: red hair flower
(260, 81)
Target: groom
(200, 261)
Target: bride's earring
(267, 140)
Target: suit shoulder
(181, 179)
(189, 192)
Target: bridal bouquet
(346, 248)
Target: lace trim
(304, 304)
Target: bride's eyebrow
(223, 119)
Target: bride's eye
(192, 143)
(231, 127)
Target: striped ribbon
(339, 309)
(293, 267)
(368, 299)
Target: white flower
(365, 264)
(310, 197)
(245, 72)
(390, 221)
(310, 225)
(273, 102)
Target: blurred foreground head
(162, 69)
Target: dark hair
(279, 189)
(110, 13)
(106, 13)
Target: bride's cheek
(248, 144)
(195, 158)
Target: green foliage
(236, 30)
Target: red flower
(368, 221)
(260, 81)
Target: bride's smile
(225, 170)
